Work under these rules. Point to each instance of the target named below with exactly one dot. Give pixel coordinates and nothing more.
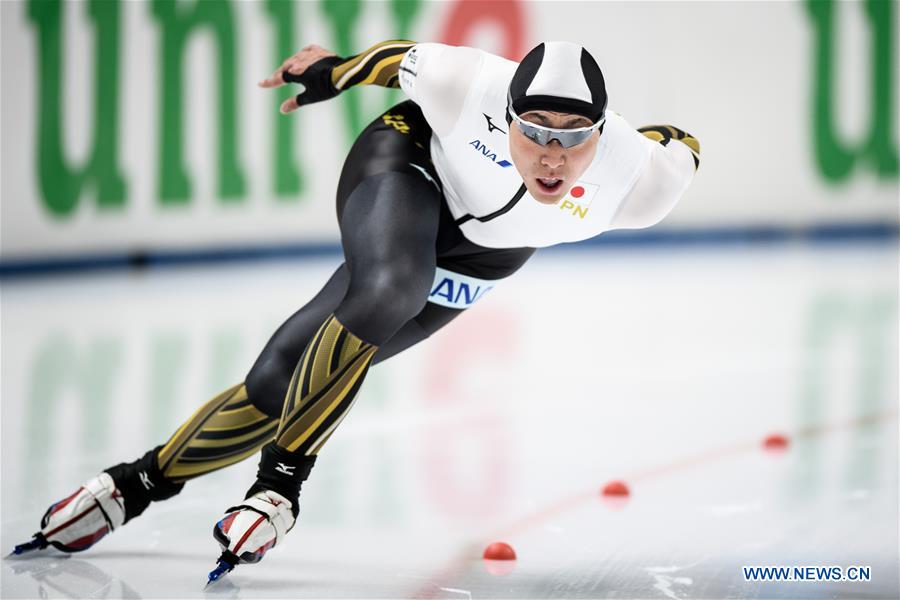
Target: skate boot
(262, 520)
(79, 521)
(250, 529)
(102, 505)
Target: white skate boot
(102, 505)
(249, 529)
(262, 520)
(79, 521)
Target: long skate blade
(222, 569)
(37, 543)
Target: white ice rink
(663, 367)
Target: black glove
(317, 80)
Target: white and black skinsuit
(432, 214)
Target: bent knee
(378, 307)
(400, 287)
(401, 293)
(267, 383)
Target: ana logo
(457, 291)
(487, 152)
(579, 199)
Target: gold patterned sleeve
(379, 65)
(664, 133)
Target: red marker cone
(615, 495)
(616, 488)
(776, 442)
(499, 551)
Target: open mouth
(549, 185)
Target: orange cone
(776, 442)
(615, 495)
(499, 551)
(616, 488)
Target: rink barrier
(756, 235)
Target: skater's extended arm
(324, 74)
(434, 76)
(666, 133)
(669, 171)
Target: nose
(553, 156)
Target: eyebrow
(544, 120)
(583, 122)
(573, 120)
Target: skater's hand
(311, 67)
(296, 65)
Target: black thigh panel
(397, 140)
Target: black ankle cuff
(141, 482)
(283, 472)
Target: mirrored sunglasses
(543, 135)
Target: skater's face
(550, 171)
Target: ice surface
(664, 368)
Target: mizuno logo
(145, 479)
(491, 126)
(488, 153)
(286, 469)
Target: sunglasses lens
(573, 139)
(536, 135)
(542, 136)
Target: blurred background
(159, 218)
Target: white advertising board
(137, 126)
